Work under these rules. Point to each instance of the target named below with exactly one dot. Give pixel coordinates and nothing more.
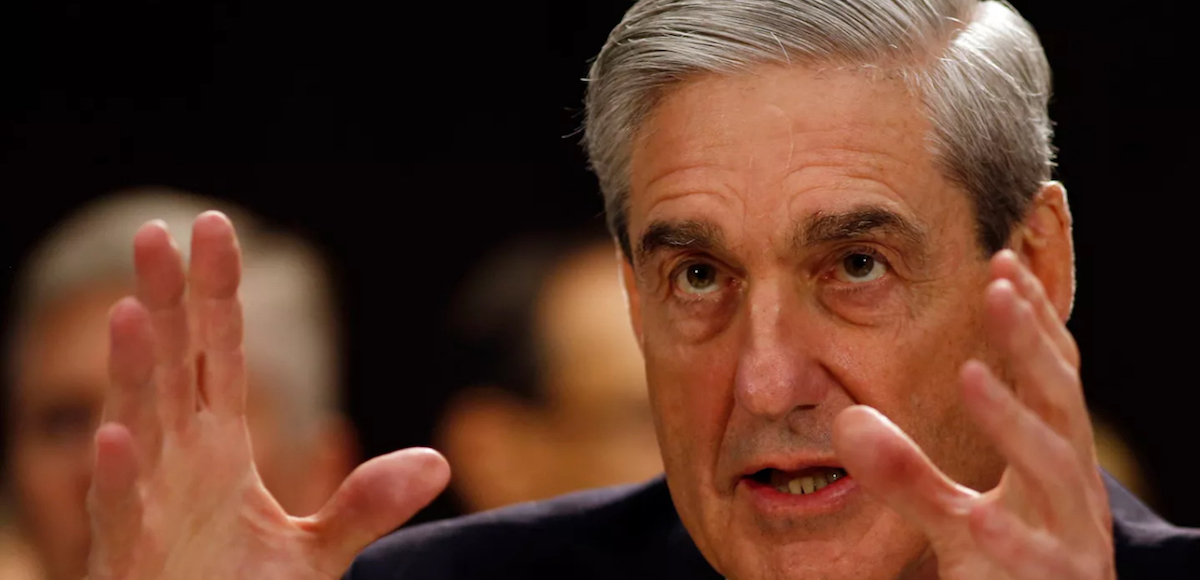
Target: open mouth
(803, 482)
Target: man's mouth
(803, 482)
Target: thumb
(375, 499)
(893, 469)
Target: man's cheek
(878, 364)
(920, 390)
(690, 393)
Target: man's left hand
(1049, 516)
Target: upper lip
(791, 463)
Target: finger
(1044, 381)
(160, 287)
(114, 503)
(1021, 551)
(890, 466)
(377, 498)
(130, 399)
(214, 274)
(1042, 457)
(1006, 265)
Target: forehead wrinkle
(878, 166)
(684, 169)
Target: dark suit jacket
(633, 533)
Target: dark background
(406, 138)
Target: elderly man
(58, 371)
(848, 272)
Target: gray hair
(978, 66)
(291, 335)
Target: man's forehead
(815, 109)
(64, 342)
(788, 145)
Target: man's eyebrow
(824, 228)
(691, 235)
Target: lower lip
(771, 502)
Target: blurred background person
(57, 367)
(1118, 458)
(17, 561)
(555, 392)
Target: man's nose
(776, 369)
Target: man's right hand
(176, 495)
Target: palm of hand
(176, 495)
(207, 515)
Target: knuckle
(1023, 338)
(1069, 373)
(1062, 457)
(1015, 416)
(1024, 311)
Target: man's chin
(849, 537)
(829, 560)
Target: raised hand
(1049, 516)
(175, 495)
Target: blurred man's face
(595, 379)
(797, 251)
(57, 404)
(593, 427)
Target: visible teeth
(807, 484)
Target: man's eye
(861, 268)
(698, 279)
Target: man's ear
(1044, 244)
(489, 438)
(632, 298)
